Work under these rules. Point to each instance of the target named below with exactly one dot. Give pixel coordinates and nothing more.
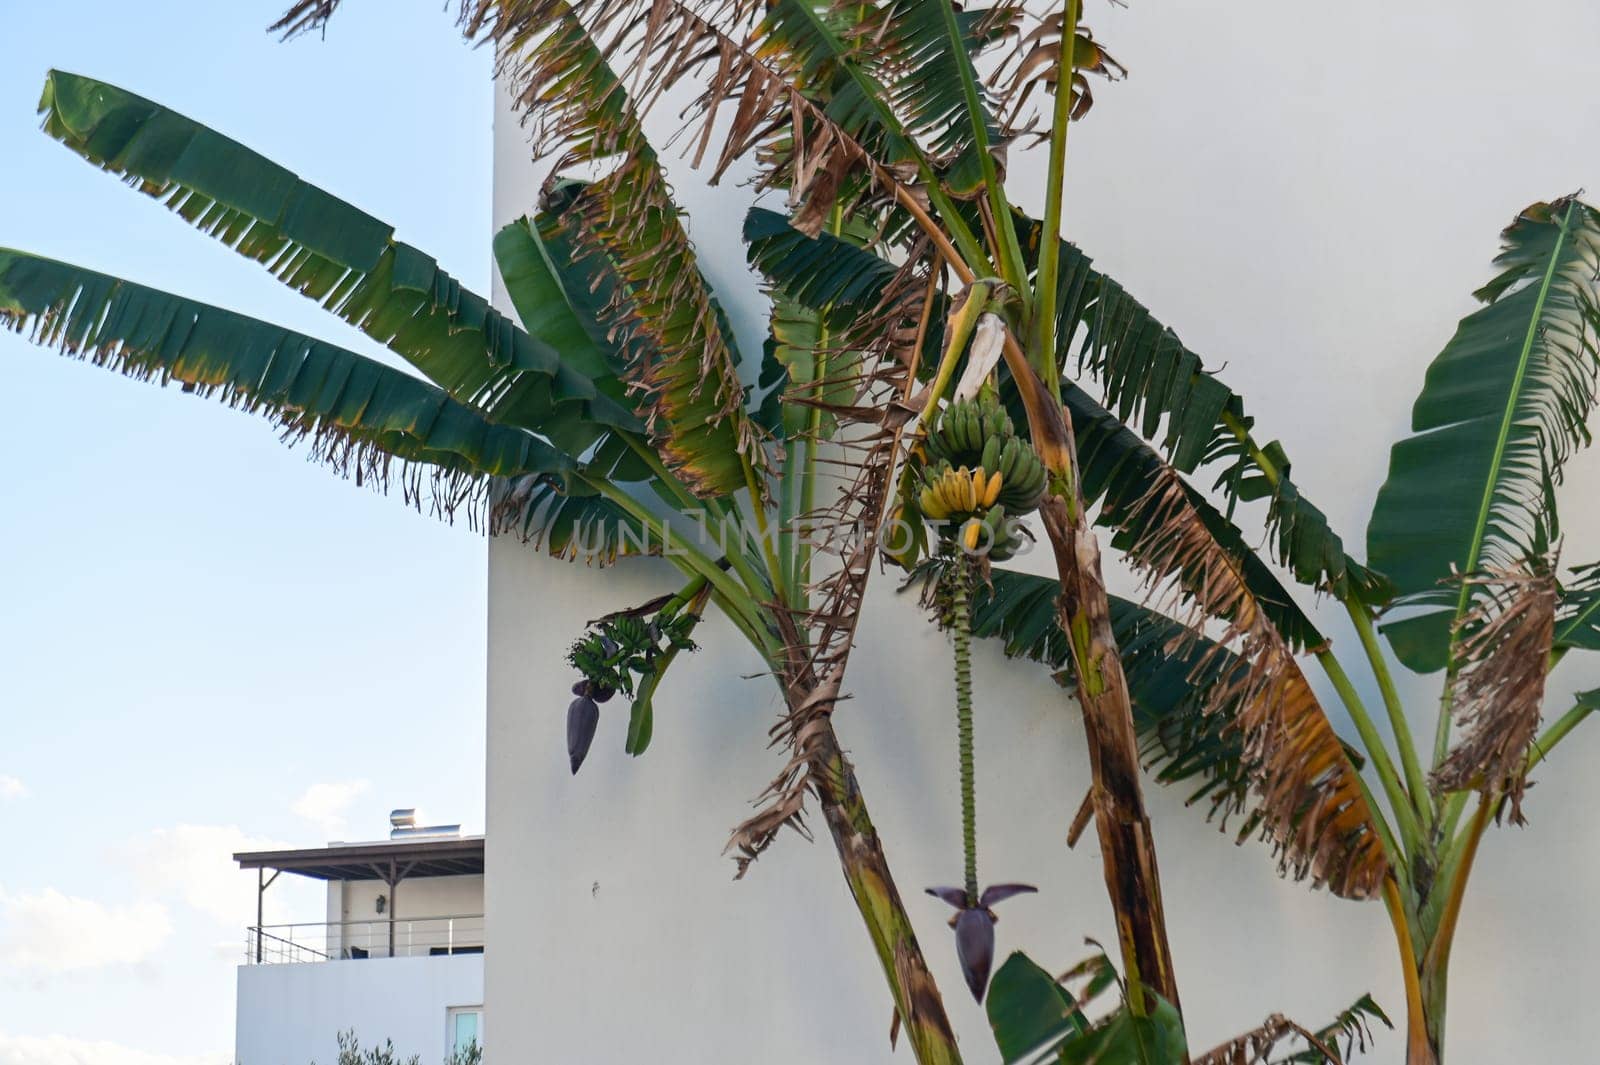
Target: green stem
(961, 329)
(709, 507)
(1391, 847)
(961, 626)
(758, 507)
(1557, 732)
(1436, 962)
(808, 486)
(1405, 816)
(1044, 305)
(1005, 230)
(788, 493)
(735, 599)
(1416, 782)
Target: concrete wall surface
(292, 1014)
(1308, 194)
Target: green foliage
(471, 1054)
(618, 649)
(1578, 620)
(332, 252)
(1155, 384)
(1170, 676)
(360, 415)
(679, 352)
(352, 1053)
(1037, 1018)
(1118, 469)
(1503, 407)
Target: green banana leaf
(1118, 468)
(336, 254)
(1150, 378)
(682, 363)
(359, 413)
(1035, 1019)
(1502, 408)
(1169, 679)
(1578, 616)
(1159, 387)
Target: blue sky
(207, 642)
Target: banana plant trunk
(1127, 847)
(1427, 1046)
(918, 1004)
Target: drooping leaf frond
(568, 521)
(1170, 675)
(824, 273)
(1310, 800)
(1119, 469)
(679, 352)
(1153, 382)
(364, 419)
(336, 254)
(1503, 407)
(1498, 697)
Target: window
(465, 1029)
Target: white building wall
(353, 916)
(1308, 194)
(292, 1014)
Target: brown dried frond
(754, 95)
(818, 641)
(1035, 61)
(1255, 1046)
(304, 16)
(1310, 803)
(1503, 651)
(662, 314)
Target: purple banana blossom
(974, 925)
(582, 717)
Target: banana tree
(1462, 542)
(612, 422)
(618, 404)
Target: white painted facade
(1308, 195)
(292, 1014)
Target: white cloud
(195, 863)
(65, 1050)
(11, 788)
(54, 933)
(324, 805)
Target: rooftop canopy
(386, 860)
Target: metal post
(261, 891)
(394, 886)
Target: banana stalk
(1127, 846)
(919, 1008)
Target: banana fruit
(972, 474)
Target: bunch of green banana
(966, 430)
(968, 474)
(1022, 475)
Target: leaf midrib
(1480, 527)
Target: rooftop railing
(411, 937)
